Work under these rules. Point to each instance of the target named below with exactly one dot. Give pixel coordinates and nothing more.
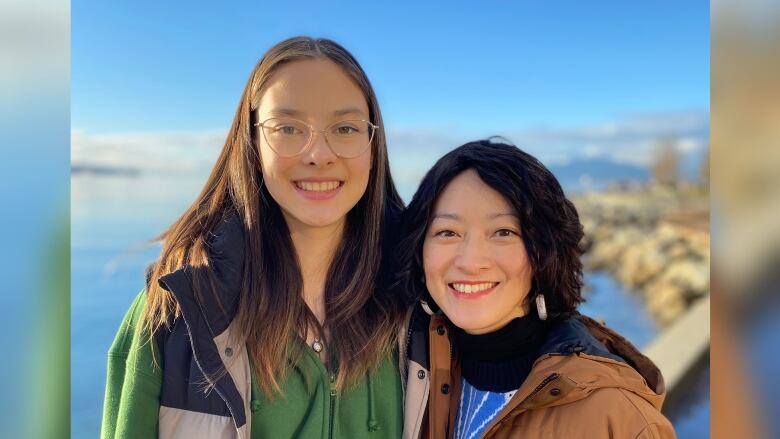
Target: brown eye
(287, 130)
(346, 130)
(445, 233)
(505, 233)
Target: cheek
(518, 268)
(426, 256)
(273, 166)
(361, 169)
(429, 260)
(436, 262)
(276, 179)
(267, 160)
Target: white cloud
(148, 152)
(632, 139)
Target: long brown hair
(362, 323)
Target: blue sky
(562, 79)
(151, 66)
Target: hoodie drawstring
(373, 425)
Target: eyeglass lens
(289, 137)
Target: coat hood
(583, 356)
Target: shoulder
(640, 413)
(583, 335)
(133, 349)
(623, 413)
(126, 335)
(623, 402)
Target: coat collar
(208, 297)
(215, 287)
(571, 336)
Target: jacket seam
(647, 429)
(148, 375)
(640, 411)
(122, 355)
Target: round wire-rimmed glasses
(289, 137)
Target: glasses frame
(322, 132)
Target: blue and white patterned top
(477, 409)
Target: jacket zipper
(536, 390)
(541, 385)
(214, 384)
(408, 340)
(332, 404)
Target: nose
(319, 153)
(473, 256)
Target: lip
(323, 195)
(471, 296)
(318, 179)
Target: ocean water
(113, 221)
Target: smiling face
(476, 266)
(316, 188)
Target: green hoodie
(306, 408)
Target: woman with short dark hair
(496, 347)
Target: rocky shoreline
(654, 240)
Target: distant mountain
(597, 173)
(104, 170)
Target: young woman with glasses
(263, 316)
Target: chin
(320, 220)
(468, 323)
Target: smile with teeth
(318, 186)
(473, 288)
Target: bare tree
(704, 170)
(667, 162)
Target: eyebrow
(456, 217)
(498, 215)
(287, 112)
(452, 216)
(298, 113)
(351, 110)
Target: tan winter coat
(588, 382)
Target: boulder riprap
(655, 242)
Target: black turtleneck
(500, 361)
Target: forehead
(467, 196)
(313, 87)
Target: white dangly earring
(541, 307)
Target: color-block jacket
(588, 382)
(202, 342)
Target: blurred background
(745, 210)
(613, 97)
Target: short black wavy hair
(550, 226)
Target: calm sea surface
(113, 218)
